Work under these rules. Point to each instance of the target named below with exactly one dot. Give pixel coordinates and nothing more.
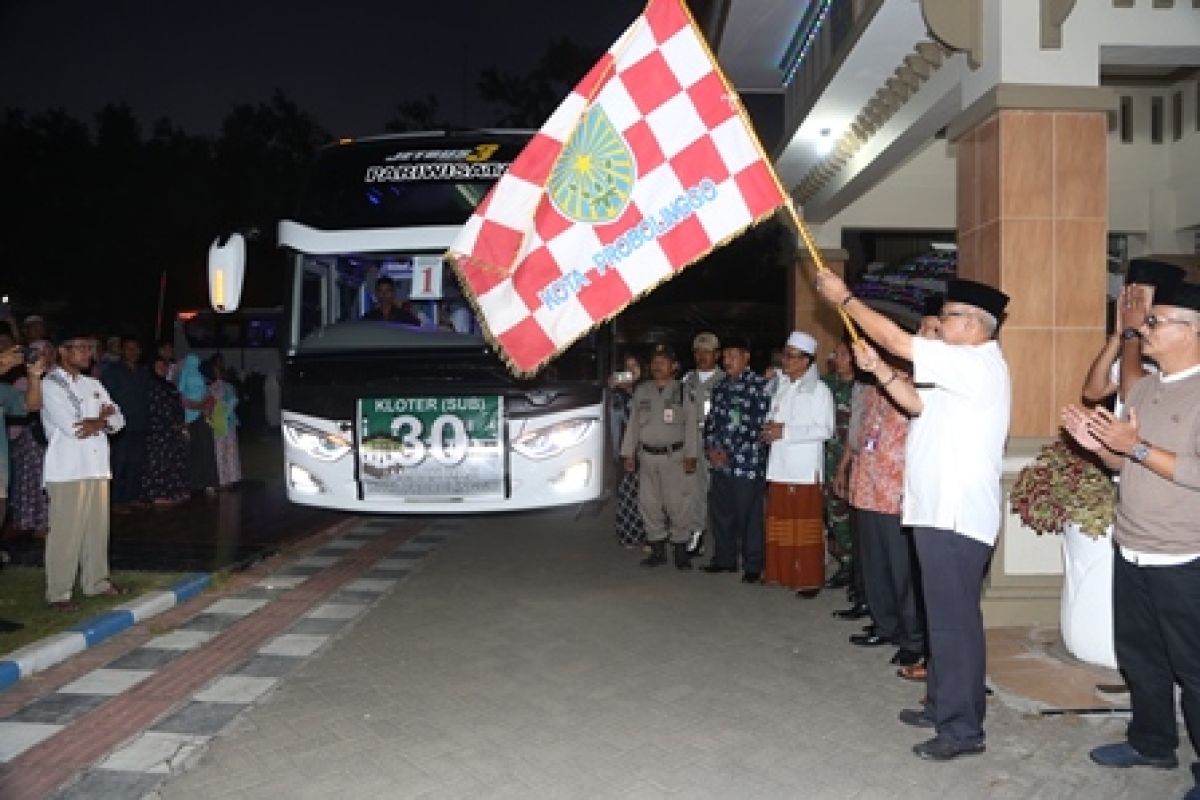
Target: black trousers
(128, 456)
(735, 506)
(888, 559)
(1156, 625)
(952, 570)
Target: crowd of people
(888, 468)
(89, 428)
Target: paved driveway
(530, 656)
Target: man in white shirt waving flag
(647, 166)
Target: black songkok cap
(1180, 295)
(740, 342)
(1149, 272)
(932, 305)
(980, 295)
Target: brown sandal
(913, 672)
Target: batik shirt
(739, 406)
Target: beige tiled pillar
(1033, 221)
(807, 311)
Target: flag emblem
(592, 180)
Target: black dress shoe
(808, 594)
(871, 639)
(906, 658)
(713, 569)
(857, 611)
(938, 749)
(751, 577)
(917, 717)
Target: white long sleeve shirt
(805, 407)
(66, 401)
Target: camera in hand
(30, 354)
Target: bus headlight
(574, 477)
(550, 440)
(303, 481)
(321, 445)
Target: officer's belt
(663, 449)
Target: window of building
(1156, 120)
(1177, 116)
(1126, 119)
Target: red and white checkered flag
(646, 167)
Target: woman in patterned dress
(28, 503)
(165, 479)
(630, 531)
(224, 424)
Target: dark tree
(422, 114)
(526, 101)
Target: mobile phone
(623, 377)
(30, 353)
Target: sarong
(795, 548)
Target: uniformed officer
(697, 390)
(662, 438)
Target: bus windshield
(337, 310)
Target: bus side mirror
(226, 270)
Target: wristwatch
(1130, 333)
(1139, 453)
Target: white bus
(417, 415)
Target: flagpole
(815, 253)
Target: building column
(806, 310)
(1033, 221)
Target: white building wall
(1154, 189)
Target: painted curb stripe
(55, 649)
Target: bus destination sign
(470, 164)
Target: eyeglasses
(1152, 321)
(942, 317)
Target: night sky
(348, 64)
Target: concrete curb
(55, 649)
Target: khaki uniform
(698, 394)
(661, 433)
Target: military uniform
(662, 432)
(698, 393)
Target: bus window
(262, 332)
(312, 305)
(229, 333)
(200, 331)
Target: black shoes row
(658, 556)
(856, 611)
(747, 577)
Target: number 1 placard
(426, 278)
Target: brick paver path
(531, 657)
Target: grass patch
(23, 599)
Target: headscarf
(191, 385)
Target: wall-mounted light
(825, 142)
